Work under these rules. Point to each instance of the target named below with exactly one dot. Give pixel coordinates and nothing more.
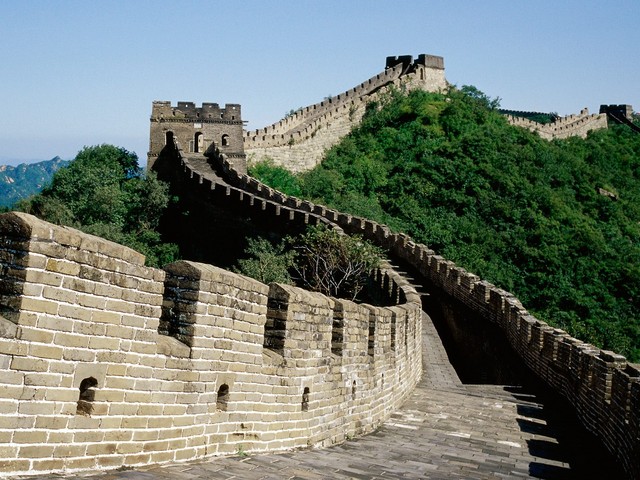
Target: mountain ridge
(23, 180)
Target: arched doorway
(198, 143)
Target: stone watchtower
(197, 130)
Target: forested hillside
(556, 223)
(26, 179)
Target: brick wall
(602, 386)
(106, 363)
(570, 126)
(299, 141)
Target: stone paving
(445, 430)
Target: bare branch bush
(333, 263)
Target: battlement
(407, 61)
(107, 363)
(563, 127)
(299, 141)
(164, 111)
(618, 111)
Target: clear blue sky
(78, 73)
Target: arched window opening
(168, 138)
(353, 390)
(198, 143)
(225, 140)
(305, 399)
(223, 397)
(87, 396)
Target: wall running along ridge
(570, 126)
(602, 387)
(299, 141)
(107, 363)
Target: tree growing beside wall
(266, 262)
(321, 259)
(524, 213)
(104, 192)
(334, 264)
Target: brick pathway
(445, 430)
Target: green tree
(104, 192)
(266, 262)
(322, 260)
(276, 177)
(523, 213)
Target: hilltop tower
(299, 141)
(197, 130)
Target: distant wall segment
(107, 363)
(564, 127)
(299, 141)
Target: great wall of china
(105, 363)
(299, 141)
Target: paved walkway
(445, 430)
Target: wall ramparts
(107, 363)
(602, 386)
(300, 140)
(570, 126)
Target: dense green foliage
(26, 179)
(277, 177)
(320, 259)
(521, 212)
(103, 192)
(266, 262)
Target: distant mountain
(26, 179)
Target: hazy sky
(78, 73)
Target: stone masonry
(569, 126)
(602, 387)
(106, 363)
(300, 141)
(198, 129)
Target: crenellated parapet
(299, 141)
(563, 127)
(602, 386)
(198, 129)
(106, 363)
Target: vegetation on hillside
(104, 192)
(556, 223)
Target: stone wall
(602, 386)
(570, 126)
(198, 129)
(106, 363)
(300, 140)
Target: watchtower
(197, 130)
